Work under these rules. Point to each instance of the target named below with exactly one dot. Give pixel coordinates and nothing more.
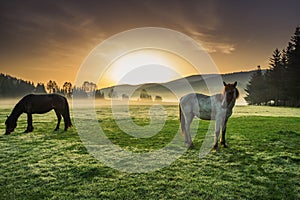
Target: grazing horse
(217, 107)
(39, 104)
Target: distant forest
(280, 84)
(11, 87)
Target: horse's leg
(65, 120)
(217, 133)
(188, 138)
(223, 142)
(29, 123)
(58, 119)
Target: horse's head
(230, 93)
(10, 124)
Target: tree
(281, 80)
(52, 86)
(256, 89)
(145, 96)
(78, 92)
(275, 78)
(158, 98)
(89, 86)
(40, 88)
(67, 89)
(112, 94)
(99, 94)
(293, 68)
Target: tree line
(280, 84)
(11, 87)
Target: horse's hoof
(192, 146)
(224, 145)
(6, 133)
(216, 148)
(56, 129)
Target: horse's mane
(17, 110)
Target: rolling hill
(173, 90)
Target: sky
(49, 40)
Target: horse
(39, 104)
(217, 107)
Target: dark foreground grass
(262, 162)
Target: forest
(11, 87)
(280, 84)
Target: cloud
(64, 32)
(219, 47)
(210, 41)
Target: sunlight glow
(146, 66)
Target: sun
(146, 66)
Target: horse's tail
(67, 114)
(182, 121)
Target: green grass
(262, 162)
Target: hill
(173, 90)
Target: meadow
(262, 161)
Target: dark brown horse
(39, 104)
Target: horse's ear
(224, 83)
(235, 84)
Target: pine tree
(293, 68)
(256, 89)
(275, 78)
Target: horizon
(45, 83)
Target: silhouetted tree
(40, 88)
(293, 68)
(158, 98)
(78, 92)
(145, 96)
(282, 79)
(89, 86)
(99, 94)
(52, 86)
(256, 89)
(67, 89)
(112, 94)
(276, 78)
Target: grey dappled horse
(217, 107)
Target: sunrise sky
(43, 40)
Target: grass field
(262, 162)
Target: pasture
(262, 161)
